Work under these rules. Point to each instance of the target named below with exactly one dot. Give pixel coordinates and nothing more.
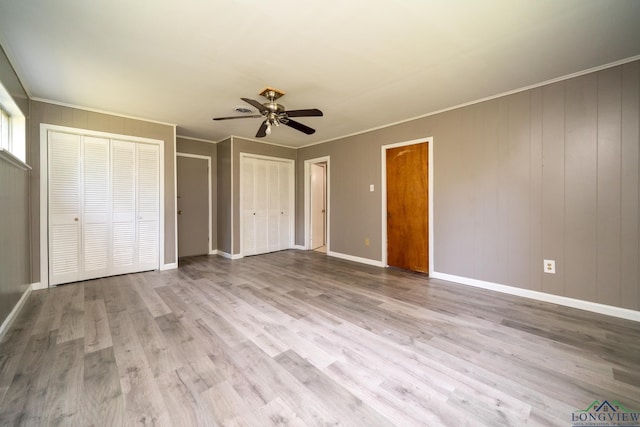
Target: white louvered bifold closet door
(95, 213)
(148, 225)
(267, 200)
(64, 207)
(247, 221)
(104, 207)
(123, 205)
(285, 201)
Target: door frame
(307, 201)
(208, 159)
(44, 190)
(383, 196)
(292, 195)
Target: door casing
(383, 186)
(326, 160)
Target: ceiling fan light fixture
(268, 130)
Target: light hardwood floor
(299, 338)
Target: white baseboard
(213, 252)
(38, 286)
(356, 259)
(15, 311)
(608, 310)
(170, 266)
(299, 247)
(228, 255)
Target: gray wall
(42, 112)
(14, 235)
(547, 173)
(15, 262)
(209, 149)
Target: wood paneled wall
(14, 235)
(546, 173)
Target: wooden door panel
(407, 207)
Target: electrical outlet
(366, 241)
(372, 187)
(550, 266)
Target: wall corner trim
(608, 310)
(14, 313)
(170, 266)
(213, 252)
(228, 255)
(38, 286)
(361, 260)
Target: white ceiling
(365, 63)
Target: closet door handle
(75, 219)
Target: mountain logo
(605, 413)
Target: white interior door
(96, 218)
(148, 208)
(261, 204)
(247, 189)
(266, 196)
(104, 206)
(123, 205)
(286, 204)
(64, 151)
(273, 191)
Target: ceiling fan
(275, 114)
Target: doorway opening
(316, 206)
(407, 205)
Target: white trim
(487, 98)
(37, 286)
(299, 247)
(608, 310)
(213, 252)
(44, 193)
(175, 198)
(95, 110)
(9, 157)
(231, 195)
(307, 200)
(8, 321)
(356, 259)
(292, 195)
(170, 266)
(228, 255)
(208, 159)
(383, 196)
(261, 141)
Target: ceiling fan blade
(256, 104)
(299, 126)
(311, 112)
(262, 132)
(237, 117)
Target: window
(12, 127)
(5, 129)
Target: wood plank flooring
(301, 339)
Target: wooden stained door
(408, 207)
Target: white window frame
(13, 142)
